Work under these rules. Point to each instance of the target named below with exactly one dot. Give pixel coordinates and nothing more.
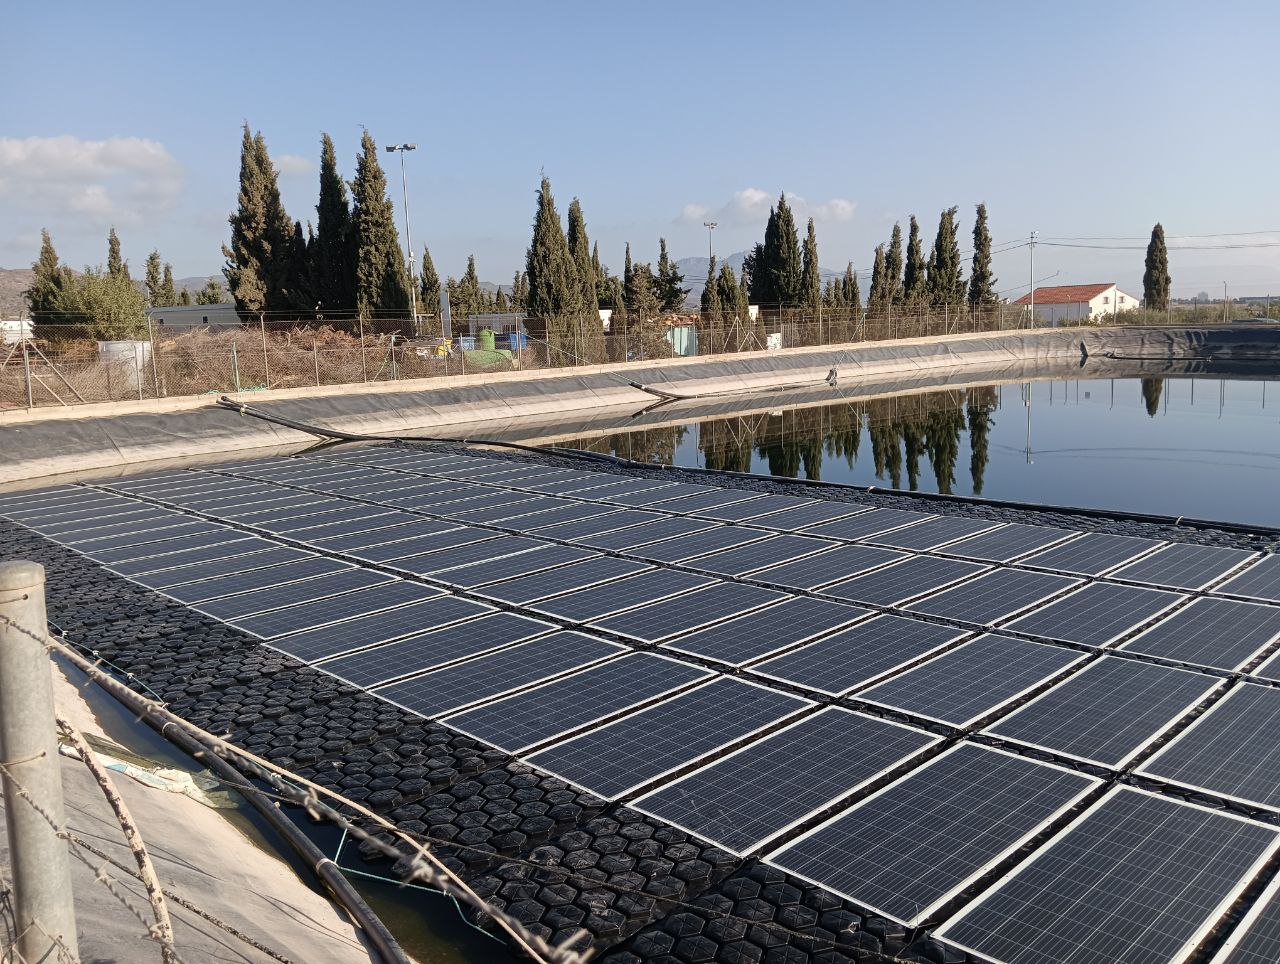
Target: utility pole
(408, 237)
(1032, 279)
(710, 226)
(1224, 302)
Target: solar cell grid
(1233, 750)
(186, 557)
(612, 597)
(137, 515)
(507, 567)
(1174, 867)
(630, 752)
(768, 630)
(1007, 543)
(837, 563)
(444, 559)
(526, 589)
(310, 615)
(699, 543)
(681, 490)
(904, 580)
(1092, 554)
(610, 488)
(681, 614)
(247, 578)
(162, 542)
(494, 499)
(633, 537)
(1184, 566)
(690, 503)
(501, 513)
(1260, 581)
(866, 524)
(573, 482)
(83, 513)
(472, 681)
(51, 496)
(429, 537)
(932, 533)
(748, 510)
(567, 511)
(1270, 669)
(1097, 614)
(1256, 939)
(579, 529)
(644, 498)
(1109, 711)
(973, 680)
(994, 596)
(322, 531)
(809, 514)
(859, 655)
(339, 578)
(524, 720)
(429, 650)
(912, 845)
(400, 532)
(748, 798)
(129, 533)
(260, 555)
(1221, 633)
(758, 555)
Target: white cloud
(292, 165)
(751, 205)
(120, 180)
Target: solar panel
(1256, 939)
(973, 680)
(867, 523)
(102, 536)
(758, 555)
(768, 630)
(425, 540)
(1269, 669)
(904, 580)
(341, 578)
(634, 536)
(574, 531)
(580, 575)
(682, 614)
(933, 533)
(1092, 554)
(994, 596)
(1221, 633)
(523, 720)
(1097, 614)
(486, 571)
(613, 488)
(809, 514)
(259, 556)
(200, 536)
(749, 510)
(140, 517)
(472, 681)
(321, 612)
(566, 512)
(502, 512)
(247, 578)
(701, 543)
(1184, 566)
(500, 500)
(1233, 750)
(396, 533)
(100, 507)
(134, 543)
(1173, 868)
(442, 560)
(612, 597)
(675, 498)
(908, 848)
(840, 562)
(432, 649)
(859, 655)
(289, 528)
(322, 531)
(1007, 543)
(630, 752)
(574, 483)
(1108, 712)
(1259, 581)
(418, 615)
(744, 800)
(160, 562)
(645, 497)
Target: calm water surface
(1202, 447)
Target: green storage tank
(485, 341)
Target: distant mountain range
(14, 281)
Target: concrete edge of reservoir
(120, 437)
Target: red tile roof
(1065, 294)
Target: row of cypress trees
(350, 261)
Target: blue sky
(1076, 120)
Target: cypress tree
(500, 303)
(850, 295)
(877, 296)
(184, 297)
(115, 264)
(380, 274)
(641, 299)
(754, 270)
(915, 282)
(429, 289)
(211, 294)
(48, 283)
(627, 269)
(168, 293)
(1155, 279)
(333, 261)
(552, 278)
(946, 279)
(1151, 389)
(893, 266)
(155, 286)
(468, 299)
(517, 291)
(298, 288)
(671, 289)
(810, 278)
(982, 284)
(711, 318)
(580, 251)
(783, 259)
(258, 258)
(978, 414)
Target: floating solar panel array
(929, 715)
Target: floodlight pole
(710, 226)
(1032, 279)
(408, 235)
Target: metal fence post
(155, 371)
(26, 373)
(315, 358)
(45, 913)
(235, 366)
(364, 362)
(137, 369)
(266, 365)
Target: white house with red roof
(1064, 303)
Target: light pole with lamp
(408, 235)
